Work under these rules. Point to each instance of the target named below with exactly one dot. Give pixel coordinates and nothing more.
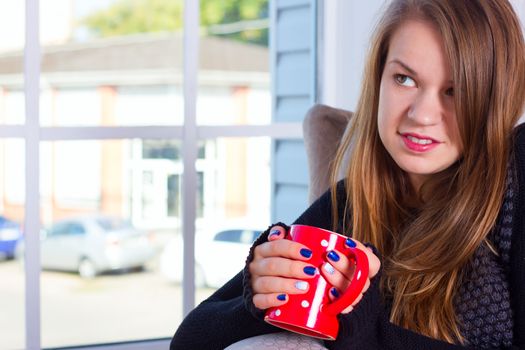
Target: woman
(434, 184)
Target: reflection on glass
(236, 208)
(12, 289)
(12, 33)
(234, 79)
(108, 209)
(121, 60)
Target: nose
(426, 109)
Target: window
(110, 127)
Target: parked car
(93, 244)
(10, 236)
(218, 256)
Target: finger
(283, 267)
(283, 248)
(276, 232)
(268, 285)
(341, 263)
(366, 286)
(334, 294)
(373, 261)
(334, 277)
(348, 310)
(264, 301)
(357, 300)
(335, 291)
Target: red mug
(313, 313)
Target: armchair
(323, 129)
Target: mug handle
(354, 288)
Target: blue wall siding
(291, 108)
(290, 163)
(294, 70)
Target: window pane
(12, 33)
(12, 289)
(120, 60)
(236, 208)
(234, 79)
(109, 208)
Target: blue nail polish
(281, 297)
(350, 243)
(310, 270)
(306, 252)
(334, 292)
(275, 233)
(332, 255)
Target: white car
(218, 257)
(92, 244)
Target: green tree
(245, 20)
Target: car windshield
(113, 224)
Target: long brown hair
(425, 246)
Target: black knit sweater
(229, 315)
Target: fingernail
(302, 285)
(309, 270)
(281, 297)
(306, 252)
(334, 292)
(329, 268)
(274, 233)
(332, 255)
(350, 243)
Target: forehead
(419, 45)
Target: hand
(279, 267)
(338, 271)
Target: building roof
(143, 52)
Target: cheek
(383, 109)
(381, 122)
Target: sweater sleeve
(318, 214)
(225, 317)
(219, 321)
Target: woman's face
(416, 115)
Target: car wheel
(86, 268)
(200, 277)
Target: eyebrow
(406, 67)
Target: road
(109, 308)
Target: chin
(419, 170)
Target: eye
(449, 92)
(404, 80)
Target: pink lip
(416, 147)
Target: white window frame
(189, 134)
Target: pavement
(109, 308)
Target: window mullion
(32, 200)
(189, 147)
